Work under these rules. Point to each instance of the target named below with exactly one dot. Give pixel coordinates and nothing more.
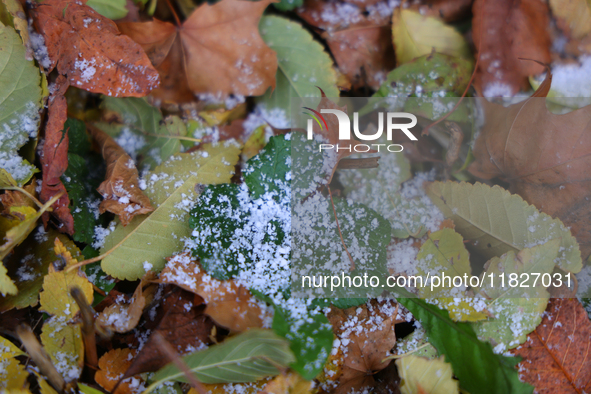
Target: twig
(339, 228)
(88, 333)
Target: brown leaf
(120, 189)
(218, 50)
(447, 10)
(14, 198)
(556, 356)
(363, 50)
(112, 365)
(90, 51)
(54, 158)
(182, 324)
(230, 305)
(504, 31)
(366, 336)
(545, 158)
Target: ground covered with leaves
(152, 200)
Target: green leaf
(20, 99)
(302, 64)
(112, 9)
(170, 188)
(246, 357)
(477, 367)
(418, 35)
(310, 355)
(498, 221)
(288, 5)
(516, 311)
(267, 171)
(421, 375)
(416, 340)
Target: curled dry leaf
(504, 31)
(365, 336)
(120, 189)
(556, 356)
(91, 52)
(361, 45)
(122, 317)
(54, 158)
(545, 157)
(112, 365)
(181, 322)
(217, 50)
(229, 304)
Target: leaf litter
(187, 258)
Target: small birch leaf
(421, 375)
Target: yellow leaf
(8, 349)
(44, 386)
(55, 298)
(13, 375)
(421, 375)
(573, 16)
(6, 179)
(65, 346)
(6, 284)
(417, 35)
(255, 143)
(289, 383)
(112, 366)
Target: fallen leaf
(447, 10)
(121, 191)
(54, 158)
(182, 323)
(503, 32)
(573, 16)
(366, 337)
(123, 316)
(13, 376)
(112, 9)
(230, 305)
(288, 383)
(170, 187)
(7, 286)
(112, 365)
(19, 20)
(361, 46)
(544, 156)
(91, 52)
(240, 64)
(555, 357)
(423, 376)
(303, 64)
(418, 35)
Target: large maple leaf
(90, 51)
(545, 157)
(556, 356)
(218, 50)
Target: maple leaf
(544, 156)
(120, 189)
(362, 48)
(54, 158)
(556, 355)
(503, 32)
(366, 335)
(91, 52)
(217, 50)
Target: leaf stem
(26, 193)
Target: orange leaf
(504, 31)
(112, 366)
(228, 303)
(217, 50)
(91, 52)
(120, 189)
(557, 355)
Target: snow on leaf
(65, 346)
(417, 35)
(555, 357)
(112, 366)
(170, 188)
(13, 376)
(421, 375)
(20, 99)
(88, 48)
(515, 224)
(303, 64)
